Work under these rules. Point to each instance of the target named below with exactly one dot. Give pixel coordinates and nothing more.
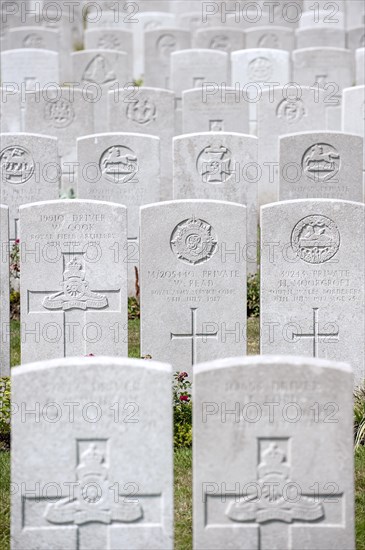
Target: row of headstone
(193, 267)
(279, 429)
(29, 68)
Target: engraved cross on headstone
(194, 335)
(93, 504)
(274, 504)
(73, 302)
(316, 335)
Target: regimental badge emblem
(291, 110)
(214, 164)
(268, 40)
(75, 293)
(16, 165)
(165, 45)
(321, 162)
(109, 42)
(270, 501)
(93, 500)
(119, 164)
(260, 69)
(60, 113)
(142, 111)
(194, 241)
(220, 42)
(315, 239)
(33, 40)
(98, 71)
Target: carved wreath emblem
(193, 241)
(315, 239)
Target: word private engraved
(119, 164)
(321, 162)
(214, 164)
(93, 500)
(292, 110)
(59, 112)
(315, 239)
(98, 71)
(193, 241)
(269, 502)
(260, 69)
(16, 165)
(75, 293)
(141, 111)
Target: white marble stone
(84, 479)
(29, 68)
(10, 102)
(356, 38)
(124, 169)
(220, 166)
(145, 110)
(273, 454)
(226, 39)
(158, 46)
(66, 114)
(4, 292)
(30, 171)
(325, 165)
(215, 109)
(294, 109)
(33, 37)
(74, 279)
(312, 280)
(320, 38)
(329, 68)
(360, 66)
(353, 115)
(278, 38)
(331, 17)
(193, 272)
(112, 39)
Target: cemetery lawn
(182, 462)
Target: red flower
(90, 355)
(184, 398)
(17, 241)
(182, 376)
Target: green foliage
(5, 411)
(253, 295)
(133, 308)
(183, 435)
(15, 260)
(69, 194)
(138, 82)
(359, 414)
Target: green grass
(182, 461)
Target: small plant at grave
(359, 416)
(183, 408)
(138, 82)
(69, 194)
(133, 308)
(5, 411)
(253, 295)
(15, 304)
(15, 260)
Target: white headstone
(356, 38)
(33, 37)
(193, 272)
(278, 38)
(329, 68)
(320, 38)
(30, 171)
(146, 111)
(90, 483)
(4, 293)
(158, 46)
(360, 66)
(321, 165)
(288, 110)
(312, 280)
(29, 69)
(220, 166)
(10, 109)
(353, 115)
(74, 279)
(66, 114)
(124, 169)
(215, 108)
(331, 17)
(112, 39)
(273, 454)
(226, 39)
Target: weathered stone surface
(193, 272)
(312, 280)
(273, 454)
(4, 292)
(74, 279)
(29, 68)
(83, 478)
